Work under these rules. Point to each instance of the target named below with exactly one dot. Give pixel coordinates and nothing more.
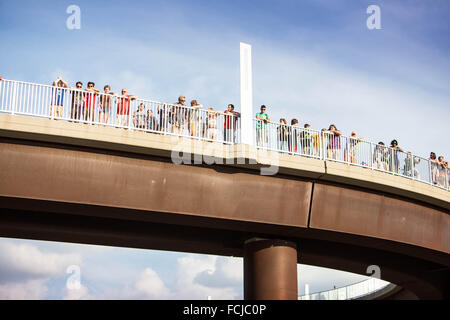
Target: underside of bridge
(63, 192)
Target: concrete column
(270, 269)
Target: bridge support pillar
(270, 269)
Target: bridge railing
(327, 146)
(288, 139)
(353, 291)
(78, 105)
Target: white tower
(246, 94)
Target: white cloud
(25, 269)
(26, 290)
(30, 262)
(227, 272)
(224, 281)
(147, 285)
(81, 293)
(150, 285)
(193, 284)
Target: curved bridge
(88, 184)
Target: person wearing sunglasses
(178, 116)
(262, 119)
(89, 106)
(78, 97)
(393, 156)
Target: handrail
(324, 145)
(353, 291)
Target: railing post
(347, 146)
(429, 170)
(52, 109)
(166, 118)
(372, 150)
(92, 107)
(13, 106)
(129, 113)
(322, 141)
(446, 179)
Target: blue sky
(312, 60)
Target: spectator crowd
(93, 106)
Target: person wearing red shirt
(230, 123)
(89, 103)
(123, 108)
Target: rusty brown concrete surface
(270, 270)
(72, 176)
(358, 212)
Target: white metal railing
(133, 113)
(122, 111)
(350, 292)
(328, 146)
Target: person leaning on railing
(350, 154)
(413, 161)
(211, 124)
(104, 104)
(294, 133)
(434, 168)
(261, 127)
(334, 142)
(194, 119)
(89, 105)
(123, 108)
(283, 135)
(152, 122)
(316, 143)
(407, 169)
(57, 105)
(305, 139)
(163, 114)
(416, 161)
(393, 160)
(380, 156)
(230, 124)
(178, 116)
(78, 98)
(140, 117)
(448, 176)
(442, 169)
